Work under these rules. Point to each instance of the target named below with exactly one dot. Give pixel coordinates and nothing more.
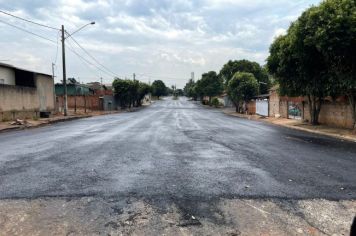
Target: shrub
(215, 102)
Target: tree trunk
(352, 100)
(237, 107)
(314, 109)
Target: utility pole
(65, 105)
(54, 89)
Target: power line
(85, 60)
(27, 31)
(55, 60)
(30, 21)
(92, 57)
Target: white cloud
(160, 37)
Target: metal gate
(262, 107)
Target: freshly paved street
(172, 168)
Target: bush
(215, 102)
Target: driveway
(175, 168)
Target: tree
(158, 88)
(260, 73)
(242, 88)
(130, 93)
(299, 66)
(122, 91)
(210, 85)
(335, 38)
(143, 90)
(189, 89)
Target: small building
(25, 94)
(74, 89)
(92, 96)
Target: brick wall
(91, 102)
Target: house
(105, 94)
(74, 89)
(91, 96)
(24, 93)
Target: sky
(155, 39)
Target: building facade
(24, 94)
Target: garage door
(262, 107)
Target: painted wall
(334, 114)
(45, 90)
(27, 102)
(7, 75)
(337, 114)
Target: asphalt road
(175, 152)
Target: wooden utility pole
(65, 105)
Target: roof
(18, 68)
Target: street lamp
(65, 109)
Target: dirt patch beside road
(131, 216)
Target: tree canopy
(260, 73)
(189, 89)
(298, 64)
(158, 88)
(209, 85)
(242, 87)
(130, 92)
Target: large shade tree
(260, 73)
(189, 89)
(130, 92)
(335, 38)
(158, 88)
(241, 88)
(299, 66)
(209, 85)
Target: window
(2, 81)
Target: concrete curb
(341, 137)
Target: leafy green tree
(335, 38)
(299, 66)
(130, 93)
(210, 85)
(189, 89)
(242, 88)
(122, 91)
(260, 73)
(143, 90)
(158, 88)
(180, 92)
(199, 89)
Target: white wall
(8, 75)
(262, 107)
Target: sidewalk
(27, 124)
(340, 133)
